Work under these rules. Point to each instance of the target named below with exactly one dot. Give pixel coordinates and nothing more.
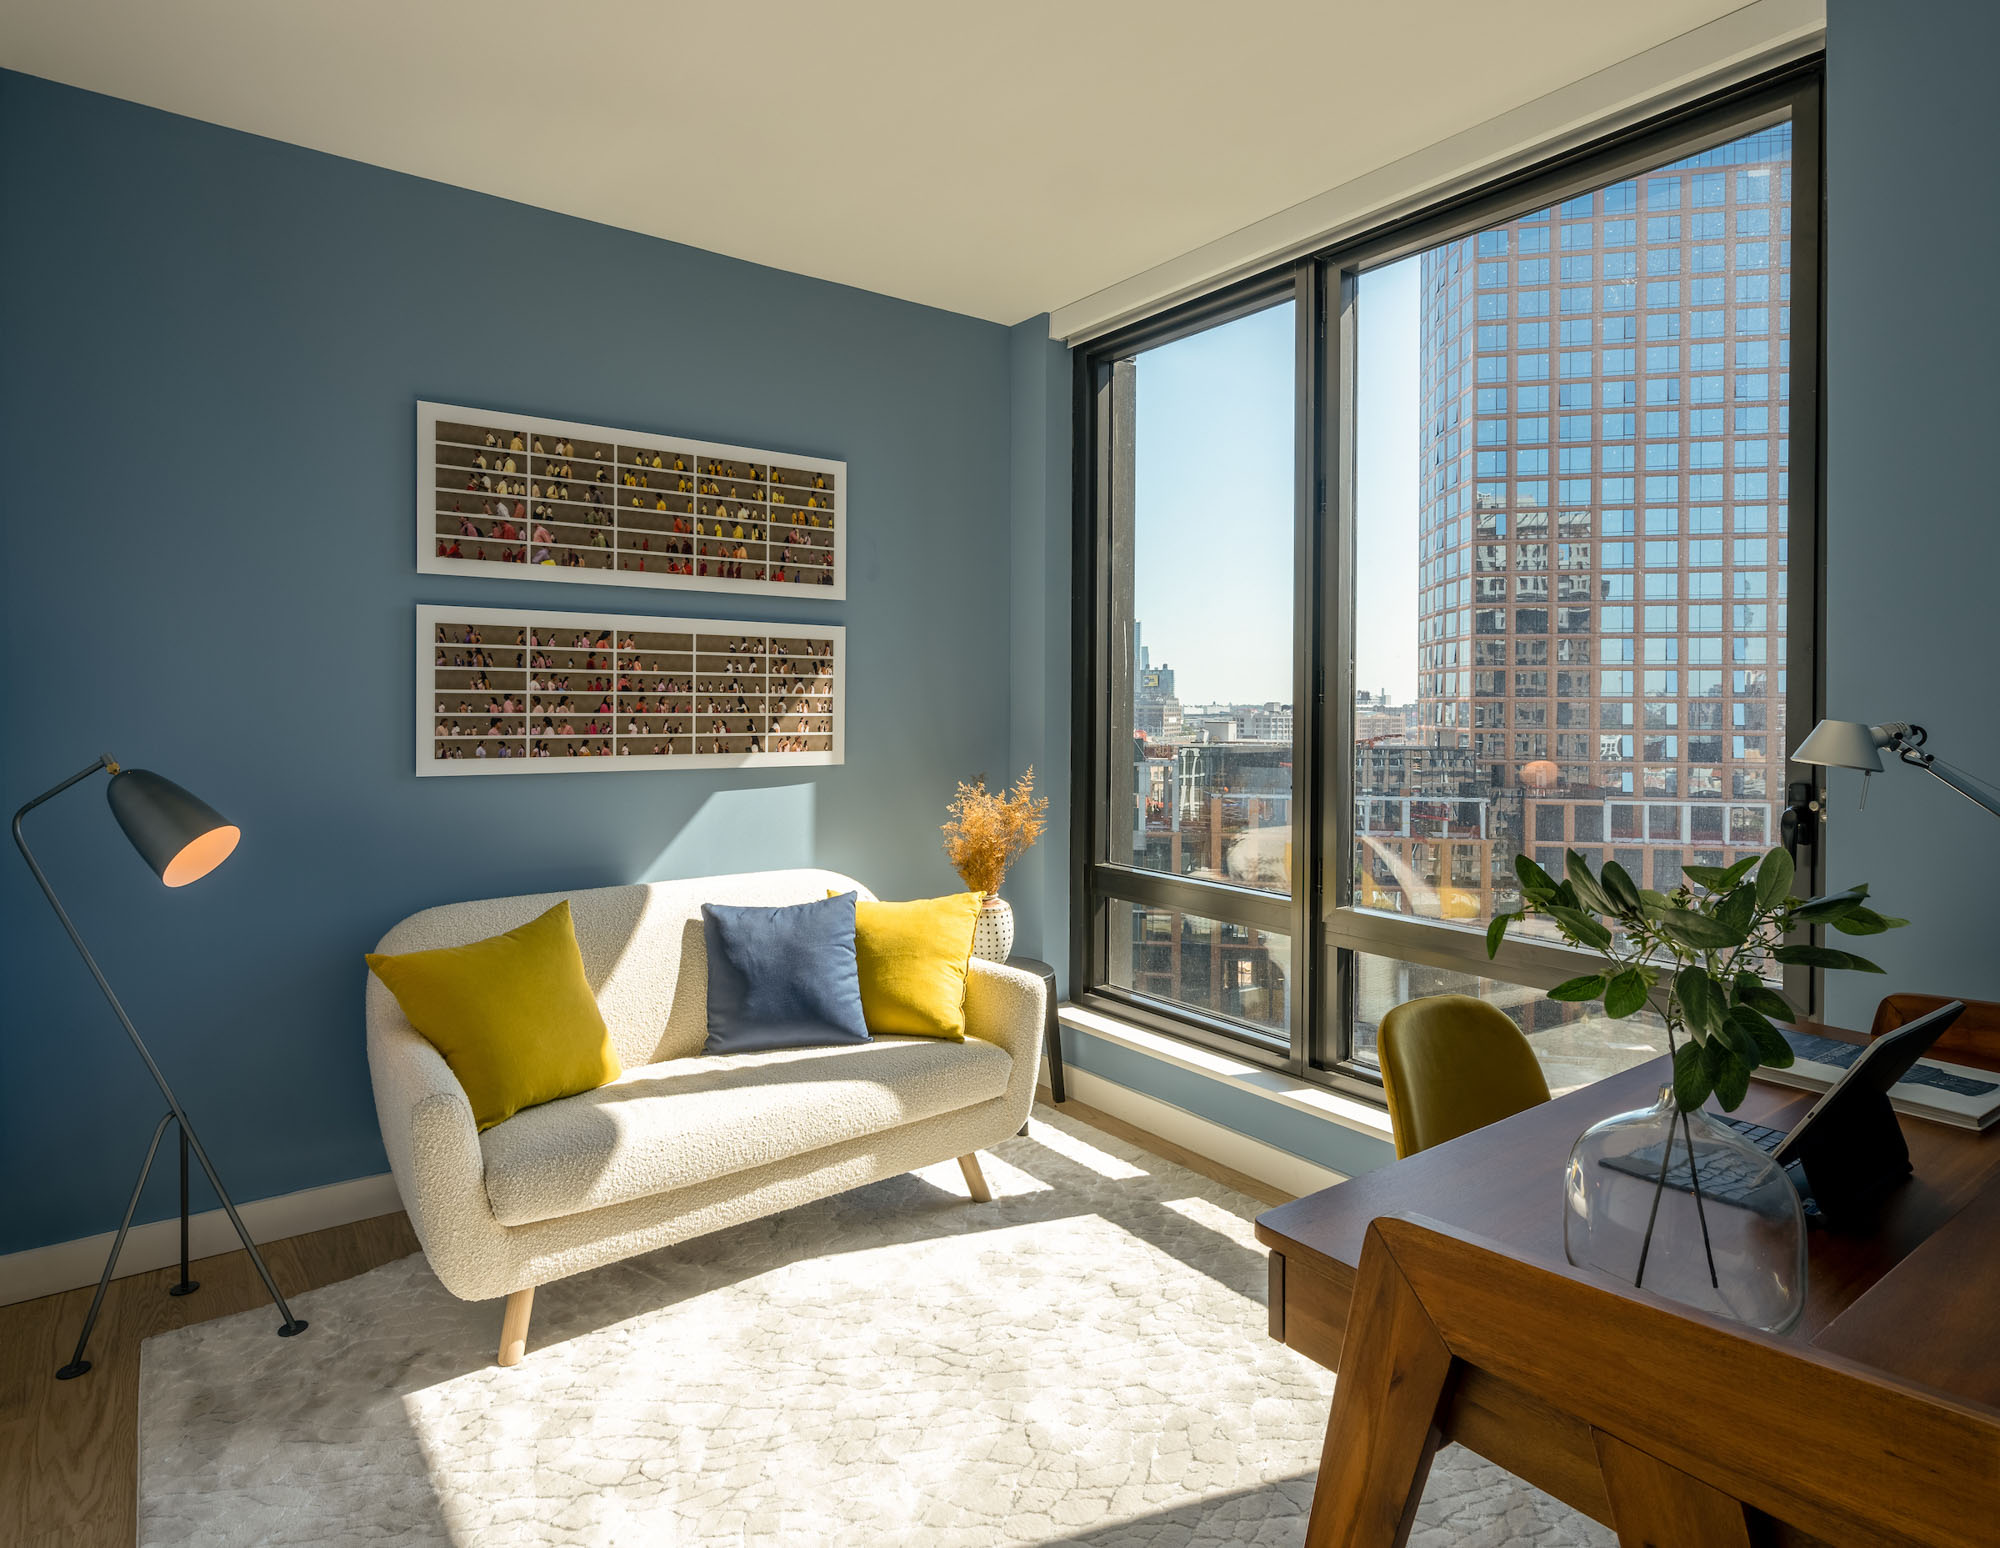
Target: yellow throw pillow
(513, 1015)
(912, 958)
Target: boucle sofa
(681, 1143)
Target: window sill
(1255, 1080)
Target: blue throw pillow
(782, 977)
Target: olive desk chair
(1452, 1064)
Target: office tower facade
(1603, 523)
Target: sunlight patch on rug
(1070, 1145)
(1082, 1361)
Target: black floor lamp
(182, 839)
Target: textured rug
(1083, 1361)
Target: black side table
(1051, 1027)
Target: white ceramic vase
(993, 936)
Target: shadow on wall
(768, 828)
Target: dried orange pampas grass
(988, 832)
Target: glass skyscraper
(1602, 604)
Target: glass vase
(1730, 1240)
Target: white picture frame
(617, 507)
(776, 691)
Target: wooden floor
(69, 1450)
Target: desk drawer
(1308, 1309)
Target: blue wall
(210, 349)
(1913, 518)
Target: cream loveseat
(681, 1143)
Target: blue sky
(1385, 482)
(1213, 582)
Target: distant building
(1158, 719)
(1212, 790)
(1377, 720)
(1156, 712)
(1271, 722)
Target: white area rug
(1083, 1361)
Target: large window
(1488, 535)
(1200, 651)
(1208, 461)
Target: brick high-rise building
(1603, 445)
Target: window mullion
(1337, 566)
(1457, 948)
(1214, 900)
(1308, 658)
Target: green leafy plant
(1707, 946)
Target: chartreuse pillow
(513, 1015)
(912, 958)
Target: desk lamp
(182, 839)
(1848, 744)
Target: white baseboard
(66, 1265)
(1239, 1152)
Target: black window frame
(1097, 659)
(1324, 934)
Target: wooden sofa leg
(975, 1180)
(514, 1326)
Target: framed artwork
(522, 691)
(550, 499)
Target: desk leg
(1383, 1431)
(1652, 1502)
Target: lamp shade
(179, 835)
(1842, 744)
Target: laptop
(1850, 1133)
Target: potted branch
(1669, 1198)
(984, 835)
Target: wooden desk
(1948, 1288)
(1913, 1295)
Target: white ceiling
(999, 160)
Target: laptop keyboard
(1765, 1139)
(1726, 1179)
